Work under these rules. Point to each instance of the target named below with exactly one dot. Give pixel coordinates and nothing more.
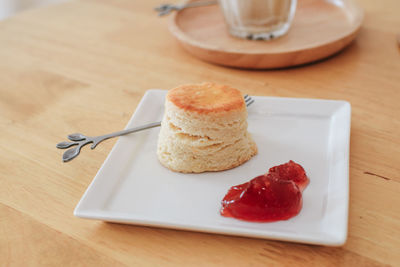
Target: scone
(204, 128)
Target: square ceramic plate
(133, 187)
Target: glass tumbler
(258, 19)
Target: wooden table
(84, 66)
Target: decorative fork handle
(81, 140)
(167, 8)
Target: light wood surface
(84, 65)
(319, 29)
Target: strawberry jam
(270, 197)
(290, 171)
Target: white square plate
(133, 187)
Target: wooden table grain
(84, 66)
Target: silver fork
(167, 8)
(79, 140)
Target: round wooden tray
(320, 28)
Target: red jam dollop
(271, 197)
(290, 171)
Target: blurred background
(11, 7)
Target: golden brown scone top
(206, 98)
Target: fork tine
(250, 102)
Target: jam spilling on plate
(271, 197)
